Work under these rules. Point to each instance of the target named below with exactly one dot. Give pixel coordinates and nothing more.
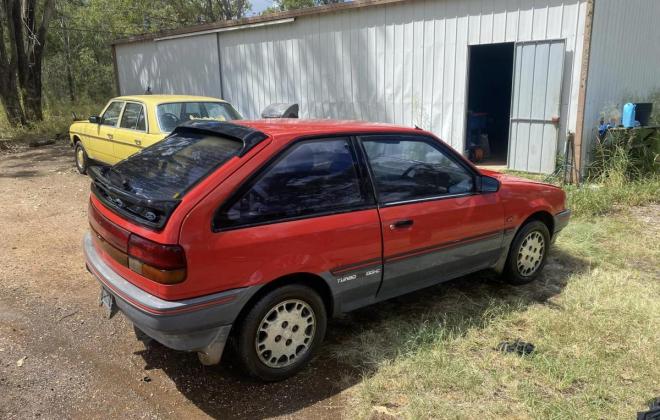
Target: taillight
(161, 263)
(165, 264)
(113, 234)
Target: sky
(259, 5)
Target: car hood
(510, 179)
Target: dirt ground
(59, 357)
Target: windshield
(172, 114)
(169, 168)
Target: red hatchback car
(261, 230)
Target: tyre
(81, 158)
(281, 332)
(528, 253)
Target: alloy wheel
(530, 253)
(285, 333)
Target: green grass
(57, 118)
(593, 316)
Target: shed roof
(271, 17)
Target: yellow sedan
(130, 123)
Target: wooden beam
(115, 68)
(582, 94)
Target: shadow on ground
(462, 304)
(30, 163)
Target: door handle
(110, 136)
(138, 141)
(400, 224)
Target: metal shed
(542, 68)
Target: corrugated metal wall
(403, 63)
(184, 65)
(625, 59)
(536, 101)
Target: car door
(435, 225)
(131, 134)
(310, 210)
(102, 134)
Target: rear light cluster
(165, 264)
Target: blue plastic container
(628, 116)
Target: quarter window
(312, 178)
(133, 117)
(111, 114)
(409, 168)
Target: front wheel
(279, 335)
(528, 253)
(81, 158)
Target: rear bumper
(199, 324)
(560, 221)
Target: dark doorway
(489, 103)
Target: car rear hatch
(133, 200)
(147, 187)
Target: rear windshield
(169, 168)
(172, 114)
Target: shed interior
(489, 102)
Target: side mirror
(488, 184)
(95, 119)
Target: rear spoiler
(148, 212)
(250, 137)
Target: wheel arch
(543, 216)
(314, 281)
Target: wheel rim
(285, 333)
(530, 253)
(80, 157)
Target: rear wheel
(281, 332)
(81, 158)
(528, 253)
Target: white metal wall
(403, 63)
(136, 67)
(624, 62)
(189, 66)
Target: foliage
(57, 119)
(630, 154)
(284, 5)
(77, 60)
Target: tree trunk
(27, 41)
(67, 60)
(10, 100)
(32, 92)
(9, 92)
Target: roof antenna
(148, 91)
(418, 127)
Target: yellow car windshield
(172, 114)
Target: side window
(312, 178)
(409, 167)
(142, 121)
(111, 115)
(133, 117)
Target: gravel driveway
(59, 358)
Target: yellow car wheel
(81, 158)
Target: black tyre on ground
(528, 253)
(281, 332)
(81, 158)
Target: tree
(23, 41)
(283, 5)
